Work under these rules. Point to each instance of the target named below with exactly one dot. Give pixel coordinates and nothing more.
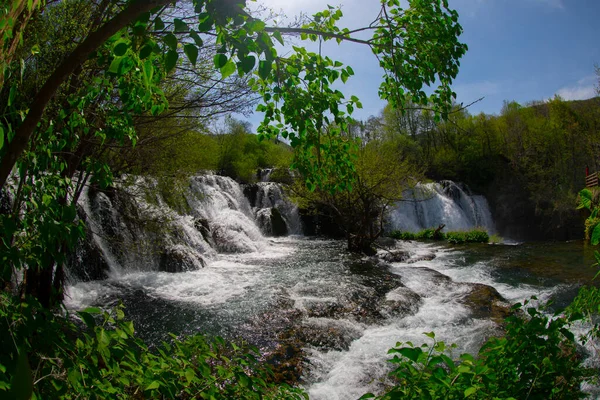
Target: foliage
(50, 356)
(100, 75)
(380, 177)
(453, 237)
(472, 236)
(536, 359)
(541, 150)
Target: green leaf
(585, 198)
(121, 48)
(1, 137)
(114, 65)
(171, 60)
(277, 35)
(264, 69)
(248, 63)
(191, 51)
(146, 51)
(220, 60)
(159, 25)
(93, 310)
(171, 41)
(411, 353)
(596, 236)
(470, 391)
(153, 385)
(197, 39)
(190, 375)
(228, 69)
(22, 381)
(180, 26)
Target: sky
(521, 50)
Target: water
(323, 317)
(445, 203)
(346, 311)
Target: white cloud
(577, 92)
(585, 88)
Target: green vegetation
(472, 236)
(532, 157)
(454, 237)
(535, 359)
(49, 356)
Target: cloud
(577, 92)
(585, 88)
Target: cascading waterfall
(133, 229)
(433, 204)
(328, 317)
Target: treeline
(171, 152)
(529, 161)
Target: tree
(114, 70)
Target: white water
(433, 204)
(246, 274)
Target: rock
(251, 193)
(486, 303)
(396, 256)
(421, 257)
(326, 334)
(278, 225)
(180, 259)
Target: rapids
(323, 317)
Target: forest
(99, 98)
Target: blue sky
(520, 50)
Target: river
(337, 314)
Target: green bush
(398, 235)
(45, 356)
(536, 359)
(473, 236)
(458, 237)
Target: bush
(536, 360)
(398, 235)
(458, 237)
(473, 236)
(102, 359)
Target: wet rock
(178, 259)
(396, 256)
(401, 302)
(278, 225)
(327, 334)
(86, 262)
(486, 303)
(421, 257)
(251, 193)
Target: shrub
(398, 235)
(48, 356)
(536, 360)
(473, 236)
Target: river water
(340, 313)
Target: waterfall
(433, 204)
(269, 196)
(132, 228)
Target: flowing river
(323, 317)
(313, 290)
